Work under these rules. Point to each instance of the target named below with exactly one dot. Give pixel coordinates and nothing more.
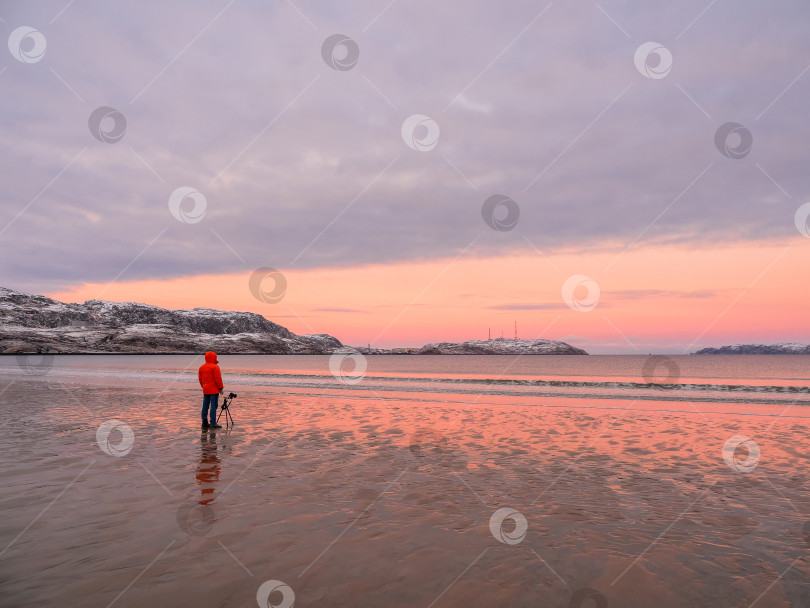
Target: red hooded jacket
(209, 374)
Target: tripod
(225, 409)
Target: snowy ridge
(32, 323)
(497, 346)
(502, 346)
(781, 348)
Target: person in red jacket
(211, 382)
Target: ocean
(713, 379)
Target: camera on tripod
(226, 403)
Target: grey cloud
(306, 146)
(637, 294)
(337, 309)
(547, 306)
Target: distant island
(782, 348)
(37, 324)
(496, 346)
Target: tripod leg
(224, 408)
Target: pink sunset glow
(653, 299)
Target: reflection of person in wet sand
(208, 469)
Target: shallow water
(725, 378)
(373, 494)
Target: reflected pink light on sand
(418, 476)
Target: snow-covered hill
(31, 323)
(782, 348)
(501, 346)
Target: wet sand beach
(357, 498)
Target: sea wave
(497, 386)
(618, 384)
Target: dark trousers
(210, 403)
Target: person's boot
(215, 426)
(205, 426)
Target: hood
(211, 357)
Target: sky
(624, 176)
